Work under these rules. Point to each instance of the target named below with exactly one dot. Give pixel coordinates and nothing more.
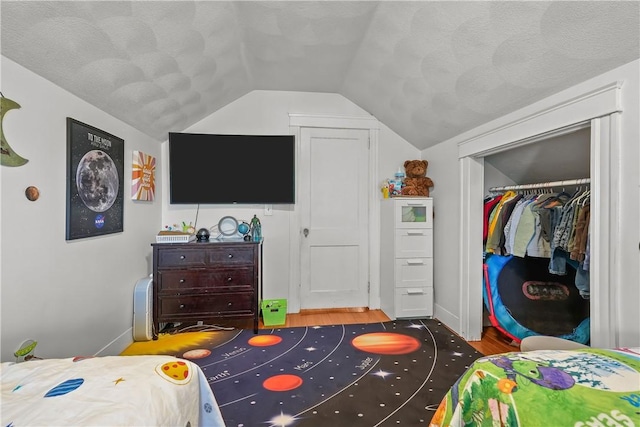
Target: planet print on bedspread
(176, 372)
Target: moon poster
(143, 184)
(95, 181)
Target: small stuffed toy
(416, 182)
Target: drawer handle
(182, 280)
(413, 291)
(230, 255)
(181, 305)
(415, 233)
(182, 257)
(229, 304)
(415, 262)
(229, 279)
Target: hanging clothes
(489, 205)
(512, 224)
(496, 225)
(544, 225)
(529, 240)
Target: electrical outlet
(268, 210)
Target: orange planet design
(197, 353)
(177, 371)
(283, 382)
(264, 340)
(386, 343)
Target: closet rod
(543, 185)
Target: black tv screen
(228, 169)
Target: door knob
(305, 232)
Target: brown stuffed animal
(416, 182)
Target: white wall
(443, 170)
(446, 256)
(73, 297)
(494, 178)
(267, 112)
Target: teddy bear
(416, 183)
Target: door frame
(600, 108)
(371, 124)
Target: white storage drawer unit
(406, 265)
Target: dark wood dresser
(214, 282)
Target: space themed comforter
(107, 391)
(579, 388)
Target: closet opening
(535, 278)
(598, 113)
(536, 260)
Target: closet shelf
(549, 184)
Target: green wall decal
(8, 157)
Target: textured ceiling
(428, 70)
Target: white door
(334, 173)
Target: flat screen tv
(231, 169)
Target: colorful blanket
(580, 388)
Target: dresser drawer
(211, 305)
(205, 280)
(414, 242)
(231, 255)
(414, 302)
(414, 213)
(413, 272)
(180, 258)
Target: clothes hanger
(586, 195)
(578, 194)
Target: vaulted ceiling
(429, 70)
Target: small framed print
(143, 180)
(95, 181)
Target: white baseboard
(445, 316)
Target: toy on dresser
(395, 184)
(416, 182)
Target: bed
(107, 391)
(580, 388)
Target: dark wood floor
(492, 341)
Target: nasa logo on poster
(99, 221)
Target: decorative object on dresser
(165, 236)
(416, 183)
(203, 235)
(216, 282)
(406, 258)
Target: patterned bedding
(107, 391)
(580, 388)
